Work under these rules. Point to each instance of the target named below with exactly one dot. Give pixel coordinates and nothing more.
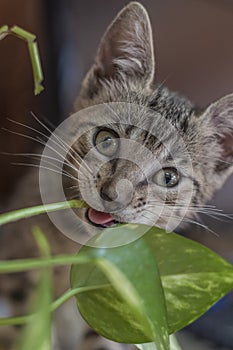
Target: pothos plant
(144, 291)
(141, 293)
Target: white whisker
(61, 143)
(188, 220)
(46, 168)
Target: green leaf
(37, 334)
(132, 308)
(193, 276)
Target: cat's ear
(126, 50)
(219, 116)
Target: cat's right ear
(217, 120)
(126, 51)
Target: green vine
(33, 52)
(144, 291)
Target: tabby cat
(190, 155)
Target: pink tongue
(98, 217)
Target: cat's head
(150, 156)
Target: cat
(189, 150)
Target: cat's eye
(167, 177)
(107, 142)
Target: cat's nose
(116, 196)
(109, 199)
(107, 194)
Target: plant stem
(40, 209)
(19, 265)
(9, 321)
(33, 52)
(72, 292)
(174, 345)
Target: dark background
(194, 55)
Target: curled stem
(33, 52)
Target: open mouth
(100, 219)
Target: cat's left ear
(126, 51)
(219, 116)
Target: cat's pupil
(170, 178)
(107, 142)
(167, 177)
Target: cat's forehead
(131, 119)
(143, 112)
(119, 103)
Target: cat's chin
(100, 219)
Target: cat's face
(137, 170)
(146, 154)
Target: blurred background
(194, 55)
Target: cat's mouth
(100, 218)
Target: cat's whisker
(64, 172)
(163, 82)
(47, 121)
(76, 190)
(36, 156)
(155, 206)
(217, 214)
(46, 168)
(62, 145)
(24, 136)
(29, 127)
(204, 208)
(196, 205)
(42, 142)
(80, 161)
(184, 204)
(203, 226)
(154, 221)
(36, 139)
(67, 162)
(75, 196)
(73, 187)
(150, 222)
(188, 220)
(210, 211)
